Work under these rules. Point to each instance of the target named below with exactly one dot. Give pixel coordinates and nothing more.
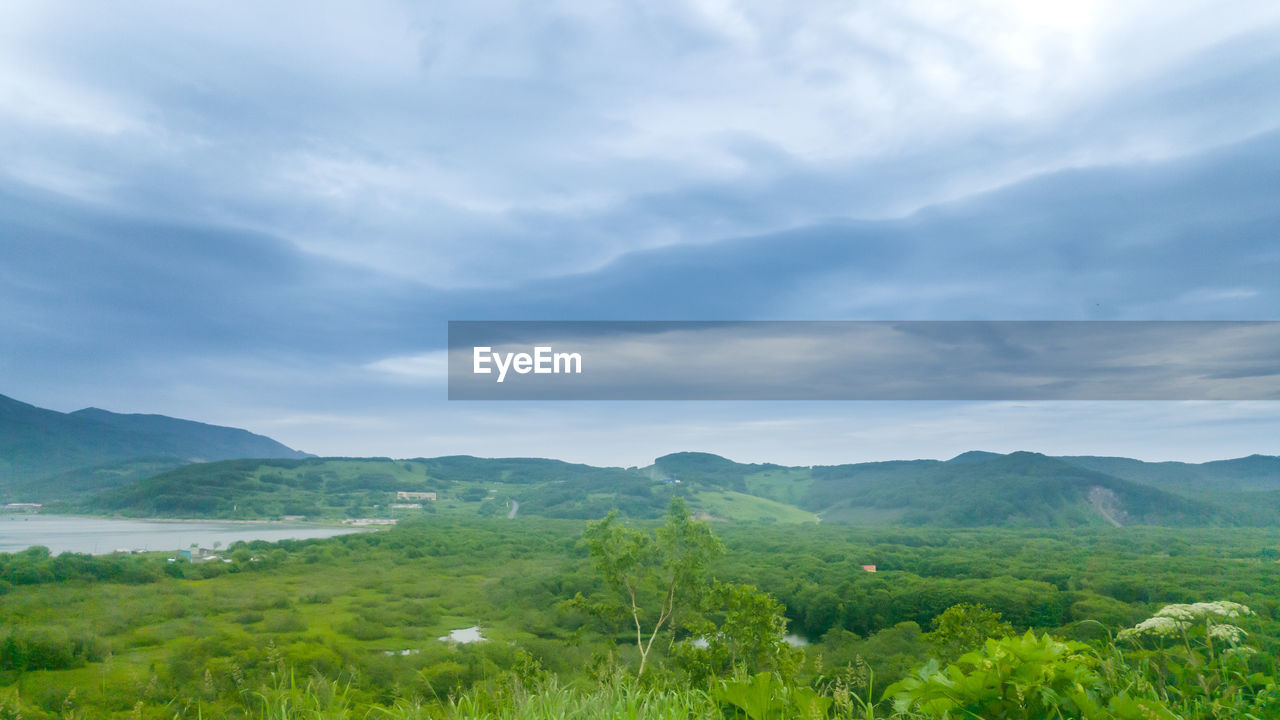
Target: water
(791, 639)
(99, 536)
(464, 636)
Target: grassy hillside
(46, 454)
(732, 505)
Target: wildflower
(1158, 625)
(1228, 633)
(1197, 611)
(1175, 618)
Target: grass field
(786, 485)
(360, 617)
(738, 506)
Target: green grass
(330, 610)
(786, 485)
(740, 507)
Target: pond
(99, 536)
(464, 636)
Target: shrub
(364, 630)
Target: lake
(99, 536)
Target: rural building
(869, 568)
(199, 555)
(406, 495)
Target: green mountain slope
(982, 488)
(76, 483)
(1247, 489)
(46, 454)
(1256, 473)
(1019, 489)
(197, 441)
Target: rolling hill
(1019, 489)
(1256, 473)
(328, 488)
(974, 489)
(45, 454)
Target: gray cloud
(243, 214)
(496, 143)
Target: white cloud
(429, 367)
(806, 433)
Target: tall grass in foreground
(1193, 666)
(1186, 662)
(620, 698)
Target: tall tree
(652, 577)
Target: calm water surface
(98, 536)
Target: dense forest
(667, 617)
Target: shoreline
(97, 535)
(176, 521)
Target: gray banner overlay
(776, 360)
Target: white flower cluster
(1197, 611)
(1154, 626)
(1227, 633)
(1173, 619)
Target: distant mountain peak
(975, 456)
(37, 444)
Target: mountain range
(95, 461)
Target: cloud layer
(247, 214)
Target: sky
(265, 216)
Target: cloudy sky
(265, 216)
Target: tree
(652, 577)
(966, 627)
(750, 636)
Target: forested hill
(1021, 488)
(47, 454)
(1246, 474)
(973, 489)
